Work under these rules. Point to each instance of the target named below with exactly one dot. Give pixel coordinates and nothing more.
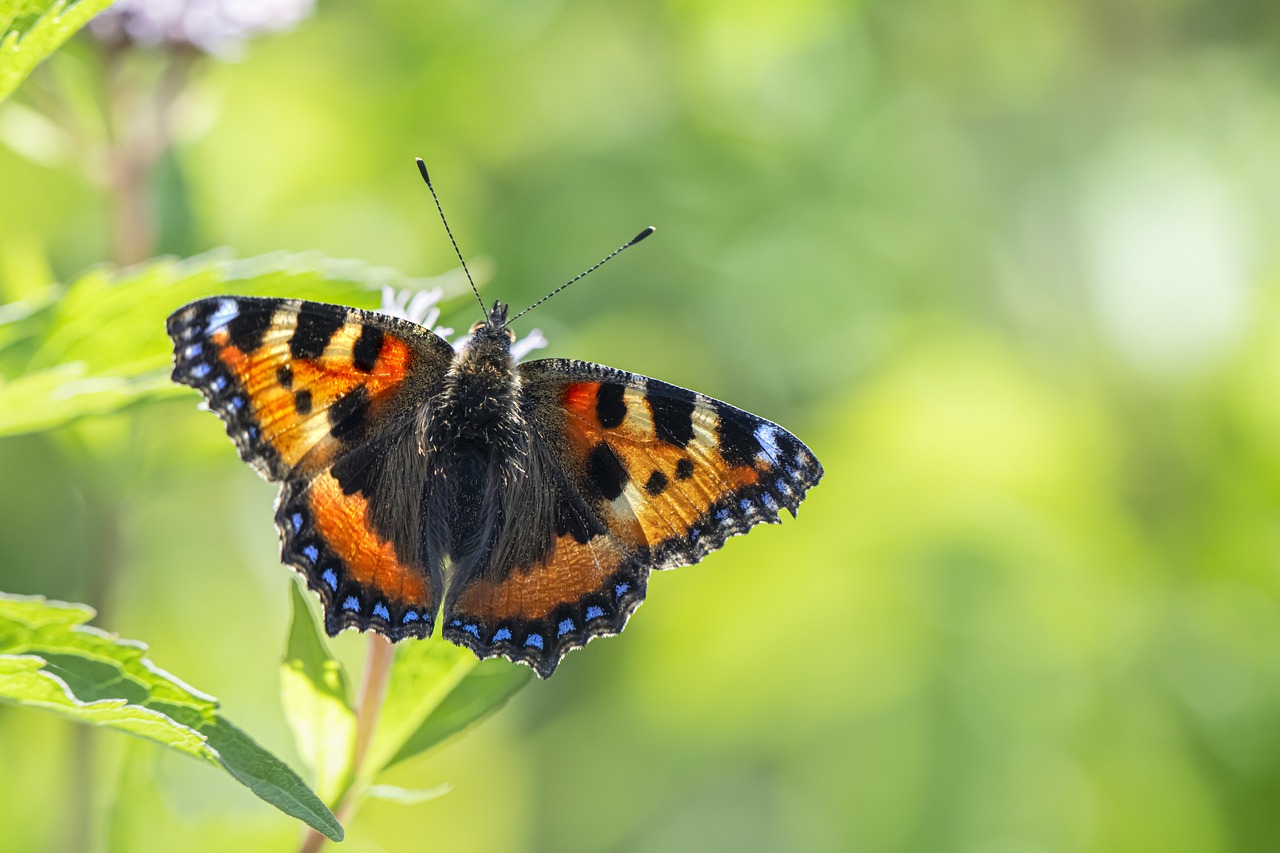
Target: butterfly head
(491, 339)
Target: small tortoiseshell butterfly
(532, 499)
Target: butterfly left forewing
(653, 476)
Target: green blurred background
(1009, 268)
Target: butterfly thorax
(474, 438)
(480, 403)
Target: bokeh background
(1009, 268)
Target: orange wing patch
(342, 521)
(659, 469)
(572, 571)
(327, 535)
(291, 397)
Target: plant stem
(140, 118)
(374, 690)
(377, 671)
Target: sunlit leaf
(101, 344)
(317, 702)
(51, 660)
(436, 689)
(34, 30)
(484, 689)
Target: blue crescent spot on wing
(222, 315)
(767, 435)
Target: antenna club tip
(422, 167)
(645, 233)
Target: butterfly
(531, 500)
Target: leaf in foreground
(99, 344)
(49, 659)
(31, 31)
(436, 690)
(317, 701)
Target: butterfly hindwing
(321, 397)
(654, 477)
(360, 551)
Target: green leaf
(34, 30)
(99, 344)
(51, 660)
(317, 702)
(25, 681)
(265, 775)
(485, 689)
(436, 689)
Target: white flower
(421, 307)
(416, 306)
(214, 26)
(530, 342)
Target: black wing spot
(672, 412)
(349, 416)
(302, 402)
(364, 355)
(316, 326)
(611, 409)
(284, 375)
(738, 444)
(606, 472)
(657, 483)
(684, 469)
(246, 329)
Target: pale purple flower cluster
(422, 307)
(214, 26)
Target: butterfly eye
(511, 336)
(477, 327)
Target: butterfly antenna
(422, 167)
(627, 245)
